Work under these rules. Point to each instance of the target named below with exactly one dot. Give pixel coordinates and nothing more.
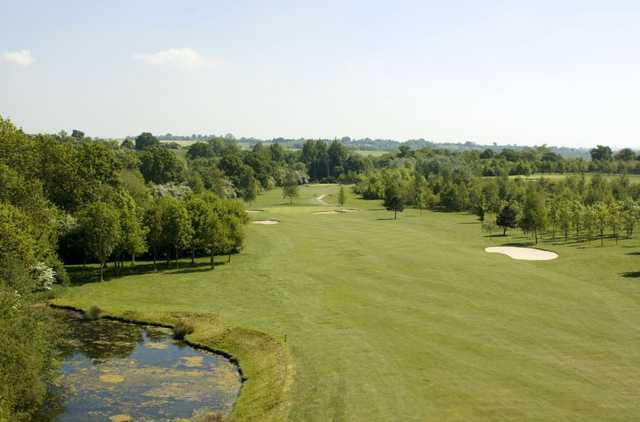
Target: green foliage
(342, 197)
(160, 165)
(100, 224)
(146, 140)
(182, 329)
(394, 199)
(92, 314)
(290, 187)
(507, 218)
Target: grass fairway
(410, 320)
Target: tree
(146, 140)
(534, 212)
(615, 219)
(589, 221)
(200, 213)
(128, 144)
(564, 218)
(601, 218)
(630, 216)
(154, 221)
(341, 196)
(626, 154)
(160, 165)
(394, 200)
(134, 232)
(100, 223)
(507, 218)
(77, 134)
(177, 226)
(290, 187)
(601, 153)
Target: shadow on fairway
(631, 274)
(79, 275)
(527, 244)
(385, 219)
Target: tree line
(69, 198)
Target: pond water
(117, 372)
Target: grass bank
(265, 362)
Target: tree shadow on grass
(199, 267)
(526, 244)
(83, 274)
(631, 274)
(633, 253)
(385, 219)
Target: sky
(563, 73)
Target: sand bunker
(336, 211)
(526, 254)
(266, 222)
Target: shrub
(92, 314)
(181, 330)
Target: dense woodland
(70, 199)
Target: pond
(116, 372)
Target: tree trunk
(229, 259)
(193, 256)
(155, 267)
(177, 265)
(504, 231)
(101, 271)
(535, 233)
(395, 214)
(213, 266)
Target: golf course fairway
(411, 320)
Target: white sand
(526, 254)
(326, 212)
(266, 222)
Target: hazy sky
(525, 72)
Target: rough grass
(406, 320)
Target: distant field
(410, 320)
(375, 153)
(634, 178)
(183, 143)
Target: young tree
(290, 186)
(630, 216)
(394, 200)
(564, 218)
(342, 196)
(100, 223)
(578, 215)
(534, 213)
(615, 219)
(507, 218)
(601, 214)
(589, 221)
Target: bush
(92, 314)
(181, 330)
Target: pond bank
(265, 362)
